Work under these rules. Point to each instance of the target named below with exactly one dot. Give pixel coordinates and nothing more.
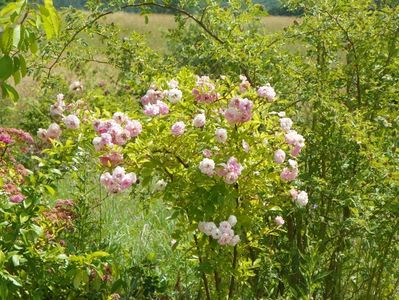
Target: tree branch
(88, 24)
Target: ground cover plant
(219, 159)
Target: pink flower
(232, 115)
(225, 227)
(18, 198)
(279, 221)
(231, 178)
(286, 124)
(111, 160)
(234, 166)
(244, 85)
(205, 90)
(151, 97)
(221, 135)
(6, 139)
(216, 233)
(106, 179)
(54, 131)
(58, 108)
(239, 110)
(289, 174)
(174, 95)
(302, 198)
(296, 150)
(293, 193)
(118, 181)
(128, 180)
(225, 239)
(267, 92)
(42, 134)
(134, 127)
(207, 153)
(122, 137)
(118, 173)
(207, 166)
(178, 128)
(199, 120)
(279, 156)
(234, 241)
(163, 107)
(119, 117)
(293, 138)
(72, 122)
(60, 97)
(151, 110)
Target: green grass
(159, 24)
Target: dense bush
(204, 151)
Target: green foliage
(20, 24)
(339, 78)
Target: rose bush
(209, 156)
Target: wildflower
(239, 110)
(174, 95)
(267, 92)
(199, 120)
(221, 135)
(54, 131)
(279, 221)
(72, 122)
(279, 156)
(232, 220)
(178, 128)
(134, 127)
(207, 166)
(302, 198)
(286, 124)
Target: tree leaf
(16, 36)
(6, 40)
(6, 67)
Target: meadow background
(335, 68)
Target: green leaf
(6, 40)
(9, 92)
(51, 19)
(6, 67)
(99, 254)
(15, 260)
(78, 279)
(50, 190)
(23, 66)
(16, 36)
(10, 8)
(2, 258)
(33, 45)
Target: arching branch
(153, 4)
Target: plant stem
(232, 280)
(206, 285)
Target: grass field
(159, 24)
(154, 31)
